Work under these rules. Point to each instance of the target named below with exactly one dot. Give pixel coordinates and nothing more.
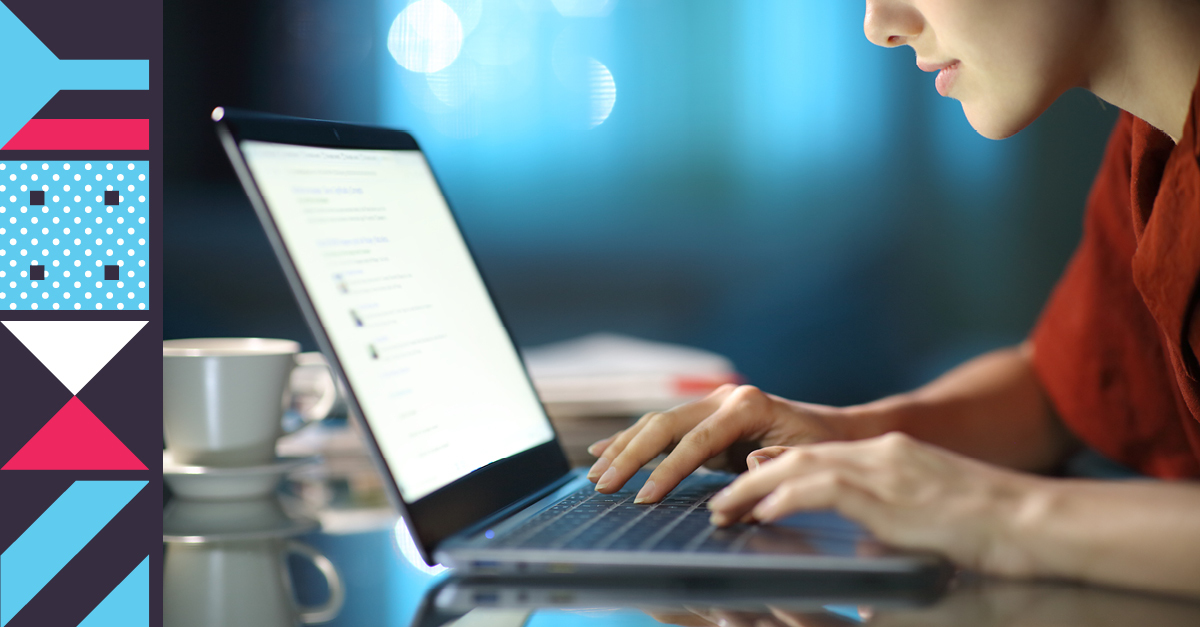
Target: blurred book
(606, 374)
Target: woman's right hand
(702, 429)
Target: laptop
(395, 301)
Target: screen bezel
(468, 499)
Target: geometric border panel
(57, 535)
(90, 221)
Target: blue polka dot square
(78, 249)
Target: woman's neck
(1147, 60)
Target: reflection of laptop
(396, 303)
(827, 600)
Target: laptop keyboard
(588, 520)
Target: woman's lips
(947, 72)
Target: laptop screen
(387, 271)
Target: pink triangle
(74, 439)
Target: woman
(1111, 363)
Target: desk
(383, 589)
(234, 578)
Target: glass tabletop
(327, 549)
(265, 563)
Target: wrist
(876, 418)
(1025, 507)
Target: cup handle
(337, 591)
(324, 405)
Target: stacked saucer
(199, 522)
(228, 482)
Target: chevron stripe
(36, 74)
(51, 134)
(128, 605)
(56, 537)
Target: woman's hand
(702, 429)
(908, 493)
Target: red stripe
(42, 134)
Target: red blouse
(1115, 348)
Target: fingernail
(606, 478)
(718, 519)
(593, 448)
(645, 494)
(598, 468)
(756, 460)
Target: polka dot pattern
(73, 234)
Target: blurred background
(753, 178)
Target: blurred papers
(605, 374)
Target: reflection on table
(328, 548)
(261, 563)
(969, 602)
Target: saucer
(193, 522)
(224, 483)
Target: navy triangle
(31, 393)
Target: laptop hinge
(517, 506)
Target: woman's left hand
(908, 493)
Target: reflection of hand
(708, 617)
(701, 430)
(908, 493)
(984, 604)
(1005, 604)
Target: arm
(991, 408)
(1136, 534)
(912, 494)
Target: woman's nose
(891, 23)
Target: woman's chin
(996, 124)
(993, 125)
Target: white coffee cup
(223, 399)
(230, 584)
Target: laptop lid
(391, 292)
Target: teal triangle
(128, 605)
(29, 74)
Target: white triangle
(74, 350)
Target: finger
(740, 496)
(678, 618)
(819, 488)
(823, 490)
(619, 440)
(742, 414)
(658, 435)
(837, 448)
(652, 434)
(747, 490)
(597, 448)
(731, 618)
(792, 618)
(763, 455)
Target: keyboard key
(587, 520)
